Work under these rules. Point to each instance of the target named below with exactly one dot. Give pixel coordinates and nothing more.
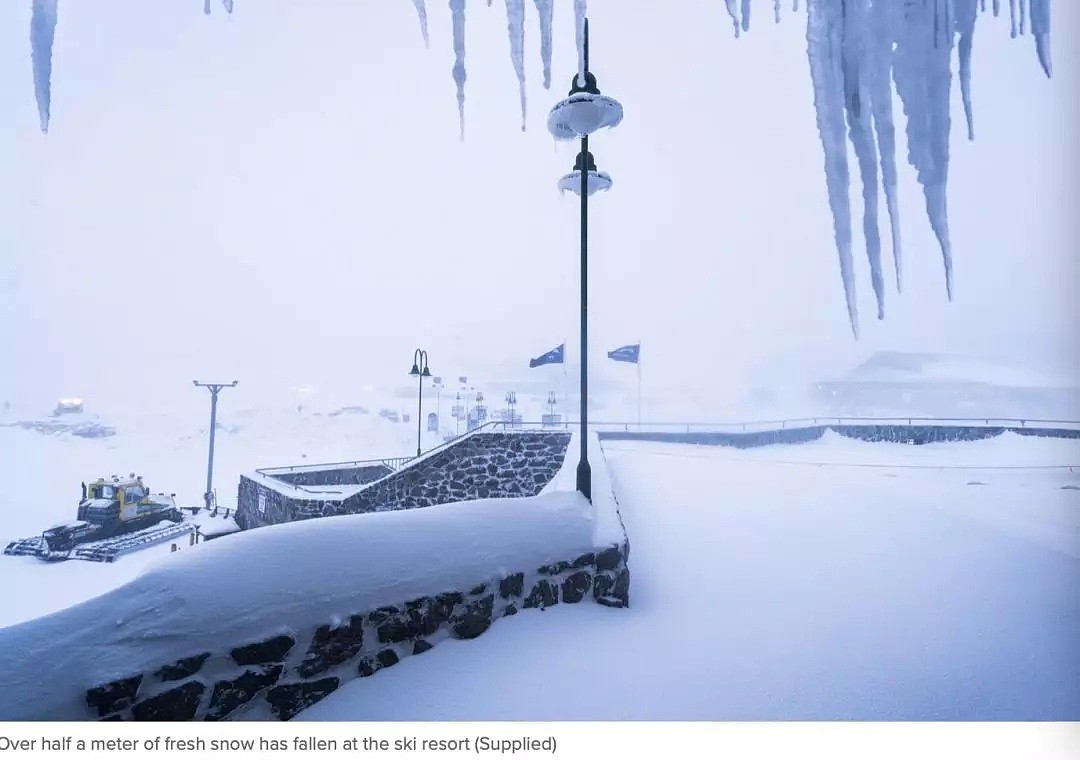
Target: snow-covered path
(769, 590)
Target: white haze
(280, 197)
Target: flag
(626, 353)
(554, 356)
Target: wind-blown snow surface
(855, 47)
(792, 591)
(252, 585)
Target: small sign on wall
(262, 504)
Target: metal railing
(396, 463)
(802, 422)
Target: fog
(281, 197)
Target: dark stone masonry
(286, 671)
(880, 433)
(284, 674)
(482, 465)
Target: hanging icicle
(457, 14)
(42, 34)
(515, 24)
(544, 10)
(421, 11)
(580, 11)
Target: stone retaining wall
(289, 671)
(910, 434)
(482, 465)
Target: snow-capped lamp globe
(594, 180)
(585, 110)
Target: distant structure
(934, 385)
(68, 406)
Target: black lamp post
(584, 111)
(215, 389)
(420, 370)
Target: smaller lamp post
(420, 371)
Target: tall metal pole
(213, 431)
(584, 471)
(214, 389)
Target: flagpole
(565, 388)
(639, 385)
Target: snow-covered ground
(835, 579)
(41, 474)
(779, 583)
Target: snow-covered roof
(897, 367)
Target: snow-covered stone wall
(480, 466)
(911, 434)
(279, 676)
(266, 622)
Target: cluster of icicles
(859, 51)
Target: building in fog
(933, 385)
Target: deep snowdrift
(772, 591)
(256, 584)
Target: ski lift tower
(215, 389)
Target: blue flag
(626, 353)
(554, 356)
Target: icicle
(227, 4)
(881, 98)
(580, 11)
(42, 33)
(776, 10)
(544, 10)
(421, 11)
(854, 35)
(457, 12)
(206, 7)
(967, 13)
(1012, 18)
(997, 8)
(1040, 29)
(923, 77)
(1023, 15)
(746, 15)
(823, 30)
(795, 6)
(732, 11)
(515, 23)
(982, 6)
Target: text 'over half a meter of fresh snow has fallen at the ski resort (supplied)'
(68, 745)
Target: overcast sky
(280, 196)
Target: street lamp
(583, 112)
(511, 402)
(420, 371)
(215, 389)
